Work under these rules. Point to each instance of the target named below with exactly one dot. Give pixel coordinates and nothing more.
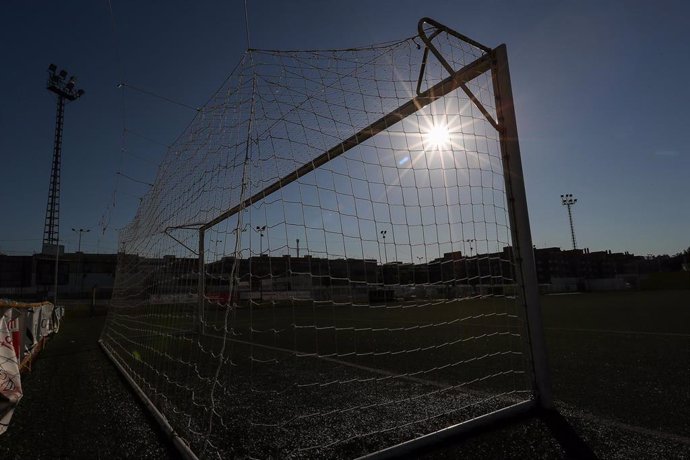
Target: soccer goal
(335, 258)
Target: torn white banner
(10, 380)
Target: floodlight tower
(260, 230)
(568, 201)
(80, 231)
(385, 254)
(472, 240)
(66, 91)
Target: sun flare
(438, 137)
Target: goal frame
(495, 60)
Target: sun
(438, 137)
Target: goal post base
(559, 427)
(451, 434)
(180, 445)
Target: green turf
(620, 356)
(623, 355)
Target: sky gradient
(600, 92)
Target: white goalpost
(335, 258)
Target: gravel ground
(76, 405)
(533, 439)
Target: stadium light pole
(80, 231)
(385, 256)
(470, 241)
(569, 201)
(260, 231)
(66, 91)
(81, 269)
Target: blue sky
(600, 87)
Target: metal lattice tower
(569, 201)
(66, 91)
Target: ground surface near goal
(380, 377)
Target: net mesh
(356, 306)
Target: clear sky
(600, 87)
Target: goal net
(325, 265)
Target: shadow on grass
(565, 434)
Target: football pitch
(621, 357)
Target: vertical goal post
(519, 216)
(338, 324)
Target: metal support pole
(57, 259)
(526, 272)
(179, 443)
(569, 201)
(51, 227)
(572, 227)
(202, 283)
(66, 92)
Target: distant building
(33, 277)
(174, 279)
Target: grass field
(334, 379)
(623, 355)
(621, 358)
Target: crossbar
(453, 82)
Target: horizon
(584, 251)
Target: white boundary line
(374, 370)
